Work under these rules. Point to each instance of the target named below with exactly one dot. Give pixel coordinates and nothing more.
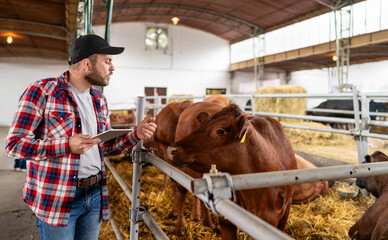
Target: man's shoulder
(51, 84)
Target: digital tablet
(107, 135)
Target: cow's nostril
(174, 151)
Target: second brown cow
(374, 223)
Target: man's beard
(96, 78)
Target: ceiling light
(9, 39)
(334, 58)
(175, 20)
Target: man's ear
(85, 64)
(202, 116)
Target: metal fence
(361, 121)
(221, 186)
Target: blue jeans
(20, 164)
(84, 221)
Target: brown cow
(164, 136)
(307, 192)
(240, 144)
(167, 121)
(374, 223)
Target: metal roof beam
(192, 18)
(255, 30)
(335, 4)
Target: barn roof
(44, 28)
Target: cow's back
(278, 142)
(218, 99)
(306, 192)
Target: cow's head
(375, 184)
(216, 141)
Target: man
(52, 128)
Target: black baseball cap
(87, 45)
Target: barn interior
(199, 48)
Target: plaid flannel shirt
(45, 119)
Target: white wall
(243, 81)
(368, 77)
(15, 76)
(194, 61)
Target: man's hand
(145, 129)
(79, 144)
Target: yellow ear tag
(243, 138)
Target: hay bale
(281, 105)
(171, 98)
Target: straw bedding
(328, 217)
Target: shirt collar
(63, 84)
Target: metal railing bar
(381, 114)
(326, 110)
(307, 117)
(378, 123)
(248, 222)
(318, 129)
(153, 226)
(305, 95)
(148, 219)
(373, 135)
(116, 229)
(289, 177)
(118, 178)
(176, 174)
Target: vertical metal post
(365, 119)
(362, 142)
(109, 10)
(337, 50)
(88, 9)
(253, 109)
(137, 167)
(261, 42)
(255, 63)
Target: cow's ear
(202, 116)
(241, 136)
(368, 158)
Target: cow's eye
(221, 131)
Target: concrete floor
(16, 219)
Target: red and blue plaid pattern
(45, 119)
